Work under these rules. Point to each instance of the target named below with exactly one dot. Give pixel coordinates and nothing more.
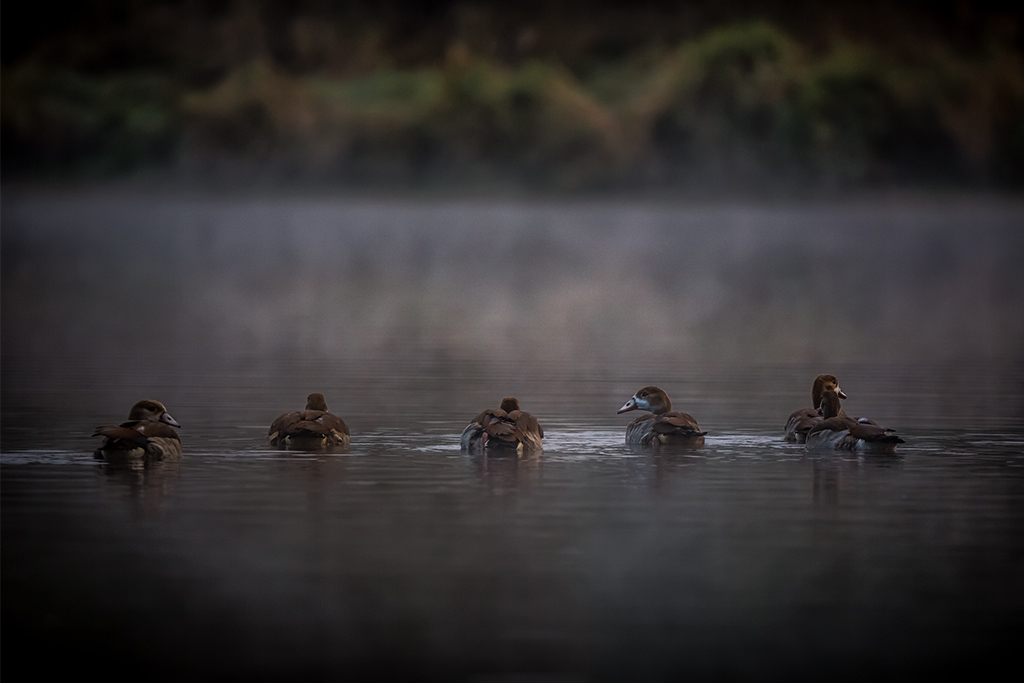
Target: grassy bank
(475, 97)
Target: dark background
(752, 97)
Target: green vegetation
(744, 104)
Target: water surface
(747, 559)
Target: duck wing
(139, 434)
(491, 424)
(527, 430)
(330, 422)
(682, 424)
(124, 435)
(799, 423)
(873, 433)
(284, 424)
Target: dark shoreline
(701, 100)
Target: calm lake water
(403, 558)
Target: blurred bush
(723, 105)
(535, 123)
(59, 121)
(744, 105)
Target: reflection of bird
(663, 425)
(311, 429)
(147, 433)
(801, 421)
(505, 427)
(836, 431)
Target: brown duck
(311, 429)
(836, 431)
(663, 425)
(505, 427)
(149, 432)
(801, 421)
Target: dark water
(749, 559)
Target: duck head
(824, 384)
(152, 410)
(651, 399)
(316, 402)
(509, 404)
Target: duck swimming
(311, 429)
(505, 427)
(836, 431)
(801, 421)
(663, 425)
(149, 432)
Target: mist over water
(448, 304)
(135, 276)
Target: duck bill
(166, 417)
(842, 394)
(630, 405)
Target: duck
(801, 421)
(663, 425)
(506, 427)
(311, 429)
(836, 431)
(148, 433)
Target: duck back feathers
(505, 427)
(148, 433)
(837, 431)
(311, 429)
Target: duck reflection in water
(505, 470)
(150, 483)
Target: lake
(404, 558)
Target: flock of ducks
(150, 430)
